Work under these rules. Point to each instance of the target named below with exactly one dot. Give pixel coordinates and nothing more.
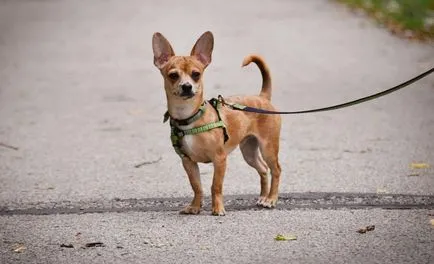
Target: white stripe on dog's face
(186, 79)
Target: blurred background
(412, 19)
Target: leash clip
(233, 106)
(222, 101)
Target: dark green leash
(329, 108)
(177, 133)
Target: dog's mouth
(187, 95)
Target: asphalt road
(244, 237)
(81, 105)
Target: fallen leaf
(281, 237)
(381, 190)
(419, 165)
(362, 230)
(19, 248)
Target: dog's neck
(183, 108)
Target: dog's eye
(173, 76)
(195, 75)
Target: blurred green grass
(407, 18)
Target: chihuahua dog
(256, 134)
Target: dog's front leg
(192, 170)
(217, 184)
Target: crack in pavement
(287, 201)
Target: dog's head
(183, 74)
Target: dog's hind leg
(270, 150)
(250, 149)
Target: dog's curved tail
(265, 72)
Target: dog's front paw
(218, 211)
(190, 210)
(267, 202)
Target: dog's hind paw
(261, 200)
(266, 202)
(190, 210)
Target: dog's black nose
(186, 88)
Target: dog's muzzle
(187, 90)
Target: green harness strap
(184, 122)
(177, 134)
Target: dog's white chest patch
(188, 140)
(188, 143)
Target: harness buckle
(221, 99)
(222, 102)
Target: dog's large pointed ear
(162, 50)
(202, 50)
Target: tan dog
(256, 134)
